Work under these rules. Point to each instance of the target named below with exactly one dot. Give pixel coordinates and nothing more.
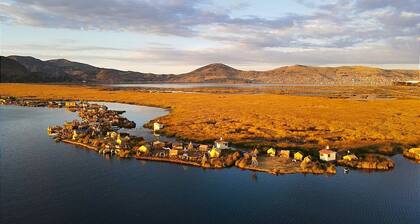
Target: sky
(177, 36)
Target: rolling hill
(62, 70)
(299, 74)
(30, 69)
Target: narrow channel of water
(203, 85)
(46, 182)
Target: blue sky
(175, 36)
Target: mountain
(30, 69)
(213, 73)
(344, 75)
(12, 71)
(62, 70)
(299, 74)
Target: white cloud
(355, 31)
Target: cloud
(351, 31)
(165, 17)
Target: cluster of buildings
(30, 103)
(98, 127)
(190, 151)
(326, 155)
(98, 130)
(95, 114)
(408, 83)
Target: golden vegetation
(286, 121)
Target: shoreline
(79, 144)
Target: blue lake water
(46, 182)
(201, 85)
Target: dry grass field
(263, 119)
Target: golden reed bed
(248, 119)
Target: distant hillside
(62, 70)
(299, 74)
(213, 73)
(13, 71)
(344, 75)
(29, 69)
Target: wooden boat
(346, 170)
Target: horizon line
(246, 68)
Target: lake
(202, 85)
(47, 182)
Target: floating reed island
(100, 129)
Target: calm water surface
(47, 182)
(198, 85)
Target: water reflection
(254, 177)
(198, 85)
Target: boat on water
(346, 170)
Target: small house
(221, 144)
(203, 148)
(307, 159)
(190, 146)
(173, 152)
(298, 156)
(285, 154)
(350, 157)
(68, 125)
(157, 126)
(158, 145)
(119, 139)
(414, 151)
(214, 152)
(112, 134)
(70, 104)
(177, 146)
(49, 130)
(327, 155)
(84, 104)
(143, 149)
(75, 136)
(271, 152)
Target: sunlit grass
(284, 121)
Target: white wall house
(157, 126)
(221, 144)
(327, 155)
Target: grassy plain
(263, 118)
